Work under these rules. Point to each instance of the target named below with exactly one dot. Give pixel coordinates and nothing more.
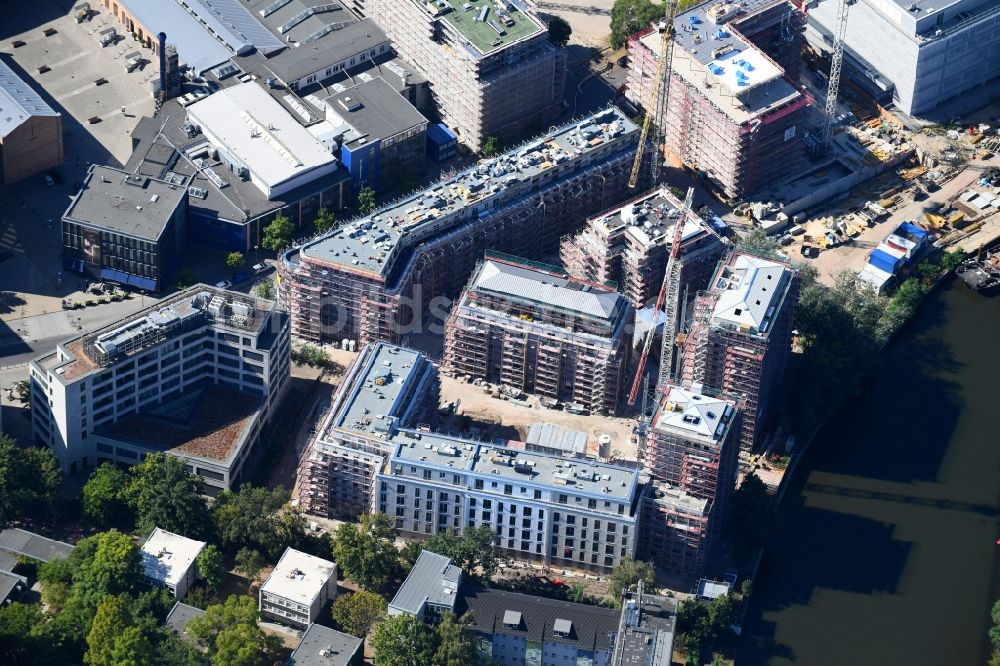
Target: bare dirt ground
(591, 21)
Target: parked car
(49, 180)
(223, 284)
(259, 268)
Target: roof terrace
(488, 26)
(371, 245)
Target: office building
(322, 646)
(382, 138)
(916, 55)
(374, 278)
(690, 448)
(31, 132)
(565, 513)
(199, 375)
(492, 69)
(740, 336)
(384, 388)
(125, 228)
(169, 561)
(629, 246)
(732, 114)
(430, 589)
(534, 328)
(298, 588)
(519, 629)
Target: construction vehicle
(656, 104)
(667, 302)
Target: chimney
(162, 38)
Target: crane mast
(668, 302)
(656, 105)
(836, 63)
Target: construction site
(492, 68)
(533, 328)
(374, 278)
(630, 245)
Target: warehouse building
(690, 449)
(630, 245)
(492, 69)
(733, 113)
(31, 132)
(533, 328)
(199, 375)
(375, 277)
(741, 336)
(125, 228)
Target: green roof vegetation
(512, 22)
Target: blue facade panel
(442, 143)
(362, 162)
(213, 232)
(883, 261)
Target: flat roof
(22, 542)
(649, 627)
(568, 441)
(512, 23)
(433, 579)
(299, 577)
(196, 46)
(304, 59)
(18, 101)
(261, 134)
(650, 219)
(131, 204)
(166, 557)
(548, 288)
(322, 646)
(371, 245)
(692, 413)
(295, 21)
(373, 389)
(502, 463)
(678, 500)
(749, 289)
(374, 110)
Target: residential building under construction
(492, 68)
(733, 113)
(690, 449)
(630, 244)
(740, 336)
(534, 328)
(374, 278)
(386, 387)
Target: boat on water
(981, 274)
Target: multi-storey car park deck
(629, 245)
(349, 283)
(732, 113)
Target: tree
(164, 495)
(559, 30)
(994, 632)
(109, 620)
(235, 261)
(630, 16)
(186, 277)
(324, 220)
(257, 518)
(403, 640)
(249, 563)
(210, 566)
(133, 647)
(409, 553)
(278, 234)
(114, 567)
(235, 610)
(366, 200)
(367, 551)
(474, 551)
(30, 480)
(627, 574)
(265, 289)
(455, 643)
(357, 613)
(752, 518)
(104, 494)
(19, 643)
(491, 147)
(245, 645)
(758, 242)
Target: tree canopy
(403, 640)
(113, 639)
(357, 613)
(278, 234)
(30, 479)
(627, 574)
(455, 643)
(257, 518)
(367, 551)
(324, 220)
(211, 566)
(366, 200)
(474, 550)
(235, 261)
(491, 147)
(559, 30)
(752, 518)
(164, 495)
(630, 16)
(104, 496)
(230, 633)
(702, 626)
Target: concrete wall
(32, 148)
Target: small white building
(298, 588)
(168, 560)
(430, 589)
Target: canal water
(886, 550)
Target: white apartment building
(298, 588)
(198, 375)
(569, 513)
(168, 560)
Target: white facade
(90, 384)
(168, 560)
(298, 588)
